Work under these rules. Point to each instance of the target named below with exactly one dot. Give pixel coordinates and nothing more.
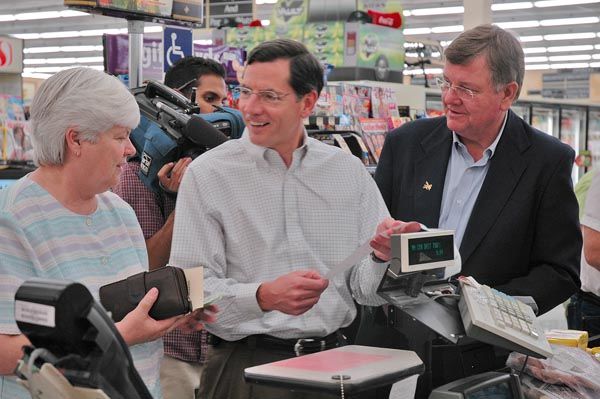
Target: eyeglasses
(265, 96)
(462, 92)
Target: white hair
(86, 100)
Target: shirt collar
(259, 153)
(492, 148)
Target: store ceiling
(88, 22)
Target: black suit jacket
(523, 235)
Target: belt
(589, 297)
(299, 347)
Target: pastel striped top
(41, 238)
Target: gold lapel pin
(427, 186)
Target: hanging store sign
(222, 11)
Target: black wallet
(123, 296)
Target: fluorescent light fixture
(447, 29)
(29, 16)
(597, 46)
(596, 56)
(534, 38)
(54, 69)
(428, 71)
(436, 11)
(534, 50)
(570, 36)
(417, 31)
(572, 57)
(536, 59)
(204, 42)
(82, 33)
(265, 22)
(571, 65)
(62, 49)
(558, 3)
(558, 49)
(534, 67)
(518, 24)
(569, 21)
(594, 64)
(35, 75)
(512, 6)
(67, 60)
(266, 1)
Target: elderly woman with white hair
(62, 222)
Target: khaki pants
(179, 379)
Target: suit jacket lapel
(430, 173)
(506, 167)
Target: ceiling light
(204, 42)
(82, 33)
(266, 1)
(417, 31)
(436, 11)
(558, 3)
(512, 6)
(37, 15)
(570, 21)
(594, 64)
(536, 59)
(572, 57)
(518, 24)
(428, 71)
(572, 65)
(447, 29)
(558, 49)
(57, 49)
(7, 18)
(265, 22)
(534, 38)
(54, 69)
(596, 57)
(570, 36)
(534, 50)
(35, 75)
(533, 67)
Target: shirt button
(104, 260)
(459, 202)
(88, 221)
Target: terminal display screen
(430, 249)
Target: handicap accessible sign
(177, 44)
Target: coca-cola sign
(11, 55)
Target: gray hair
(503, 52)
(84, 99)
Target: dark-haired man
(182, 365)
(276, 210)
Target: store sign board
(240, 11)
(232, 58)
(11, 55)
(177, 44)
(116, 56)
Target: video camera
(172, 127)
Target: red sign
(11, 55)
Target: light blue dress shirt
(464, 178)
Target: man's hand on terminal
(381, 241)
(293, 293)
(170, 174)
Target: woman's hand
(137, 326)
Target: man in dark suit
(503, 186)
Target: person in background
(61, 222)
(268, 215)
(502, 185)
(185, 353)
(583, 312)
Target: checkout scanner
(417, 284)
(71, 332)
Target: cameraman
(182, 365)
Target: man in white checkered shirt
(268, 216)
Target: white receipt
(355, 257)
